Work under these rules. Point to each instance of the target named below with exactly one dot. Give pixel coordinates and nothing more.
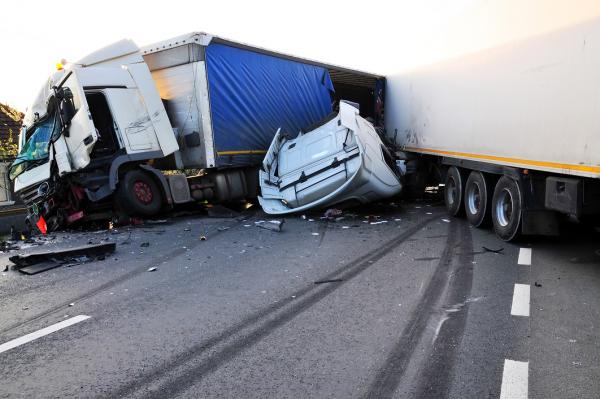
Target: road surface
(409, 304)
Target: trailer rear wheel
(478, 197)
(506, 209)
(453, 191)
(138, 194)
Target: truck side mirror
(66, 106)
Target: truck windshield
(36, 149)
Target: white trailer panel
(532, 104)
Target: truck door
(81, 136)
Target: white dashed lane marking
(515, 380)
(43, 332)
(520, 302)
(525, 256)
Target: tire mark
(299, 301)
(436, 375)
(112, 283)
(388, 377)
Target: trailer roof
(338, 73)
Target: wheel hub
(504, 208)
(143, 192)
(474, 198)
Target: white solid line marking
(520, 303)
(525, 256)
(40, 333)
(514, 380)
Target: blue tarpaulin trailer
(253, 94)
(226, 100)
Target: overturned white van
(341, 161)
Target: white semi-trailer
(513, 131)
(187, 119)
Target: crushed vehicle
(342, 161)
(130, 131)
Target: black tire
(507, 206)
(478, 199)
(454, 188)
(138, 194)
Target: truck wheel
(506, 209)
(138, 194)
(478, 196)
(453, 191)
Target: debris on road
(332, 213)
(273, 225)
(42, 261)
(297, 175)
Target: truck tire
(478, 199)
(507, 204)
(138, 194)
(453, 191)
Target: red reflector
(41, 224)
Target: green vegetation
(8, 140)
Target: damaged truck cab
(96, 121)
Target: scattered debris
(537, 284)
(42, 261)
(496, 251)
(286, 171)
(273, 225)
(333, 280)
(332, 213)
(6, 246)
(153, 269)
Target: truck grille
(30, 195)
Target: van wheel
(478, 197)
(138, 194)
(453, 191)
(507, 205)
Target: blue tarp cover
(253, 94)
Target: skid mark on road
(389, 376)
(41, 333)
(232, 341)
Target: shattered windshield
(36, 149)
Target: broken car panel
(341, 161)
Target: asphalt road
(412, 304)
